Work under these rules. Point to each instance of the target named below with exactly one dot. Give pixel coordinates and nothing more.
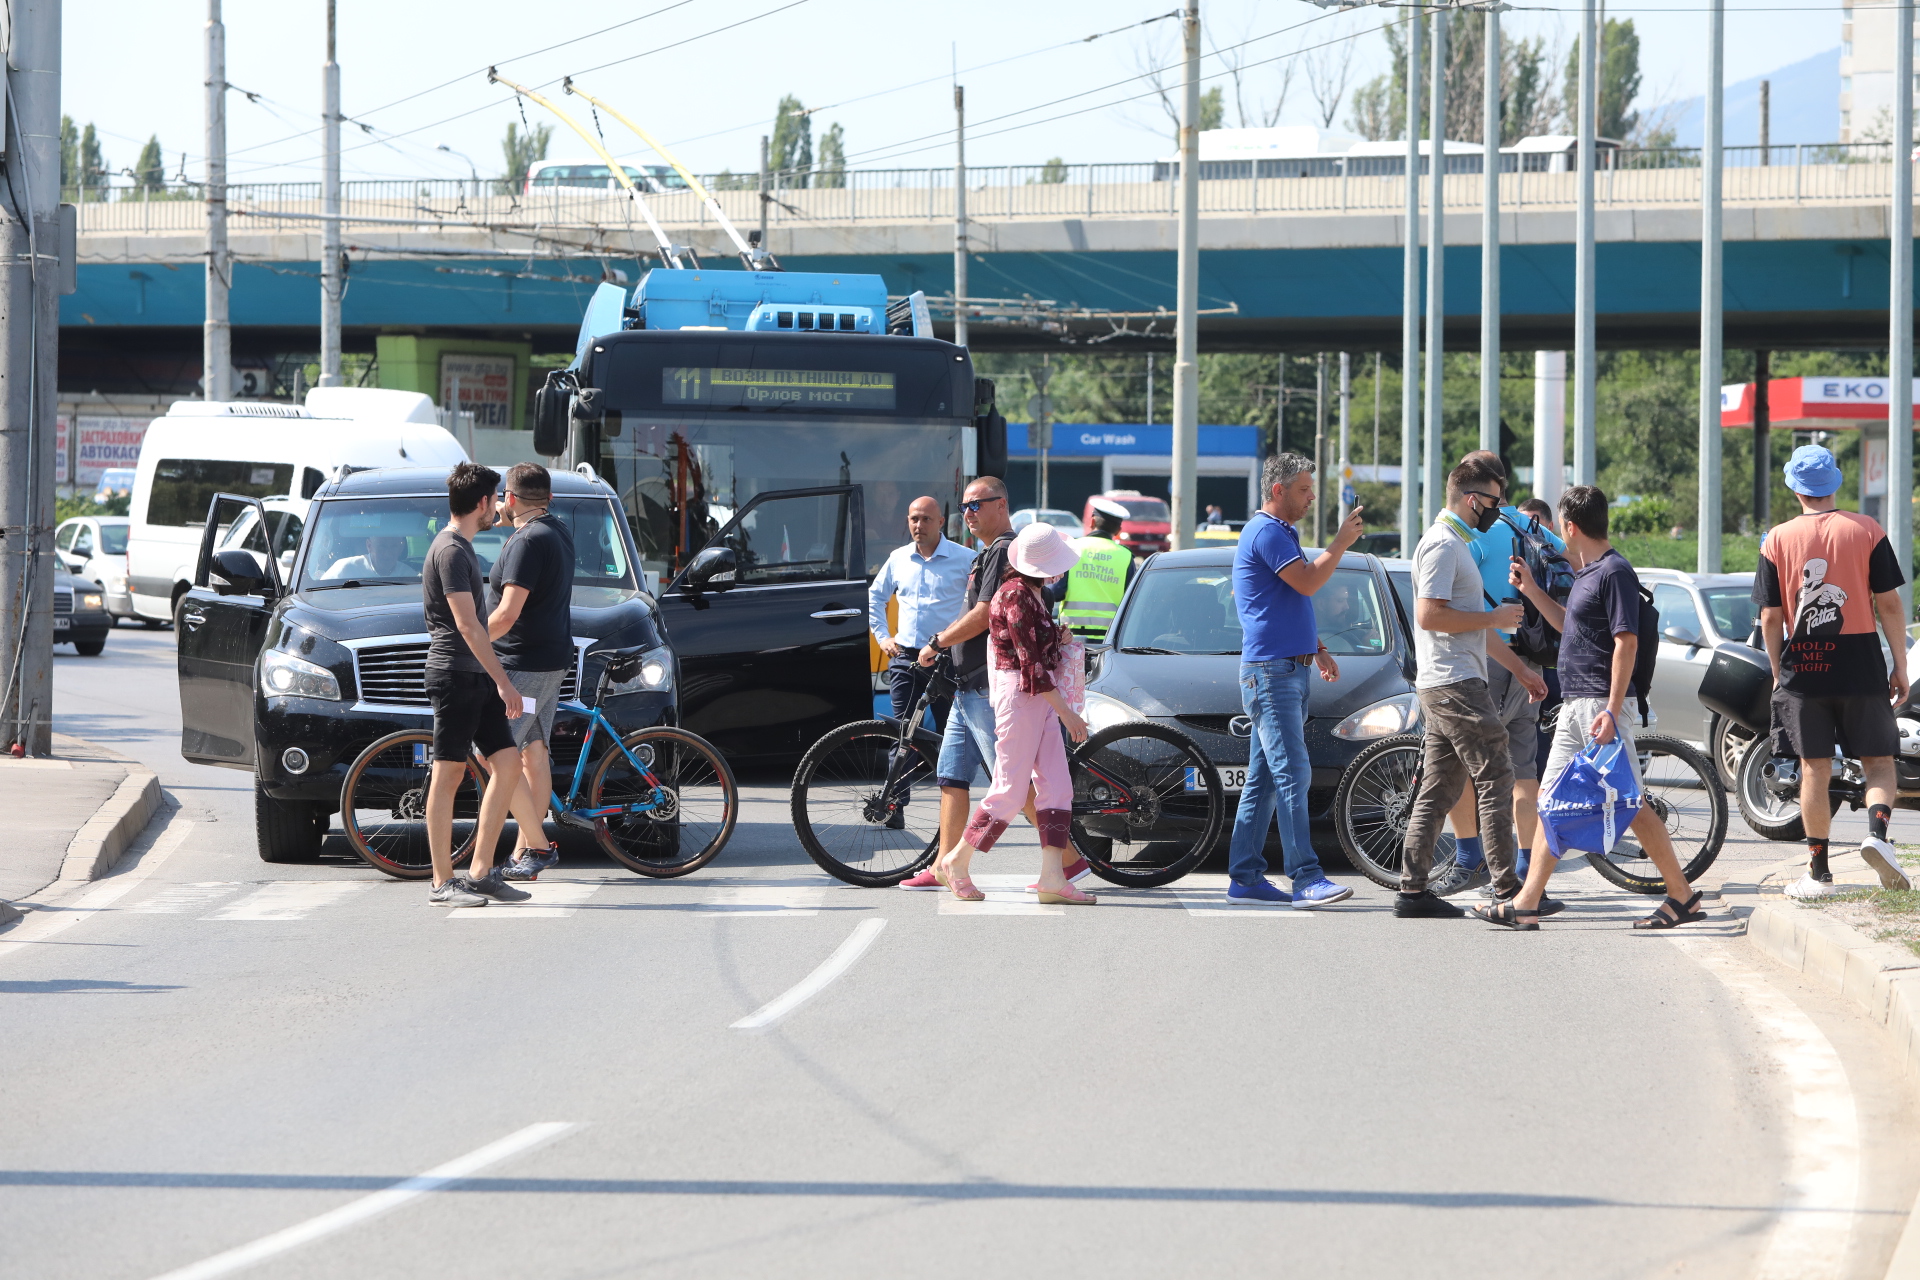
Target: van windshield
(364, 542)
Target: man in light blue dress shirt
(929, 575)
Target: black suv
(291, 681)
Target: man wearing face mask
(1455, 634)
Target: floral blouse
(1025, 637)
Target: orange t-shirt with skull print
(1824, 568)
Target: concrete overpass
(1308, 262)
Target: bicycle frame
(595, 722)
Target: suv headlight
(656, 673)
(90, 600)
(1104, 712)
(284, 675)
(1397, 714)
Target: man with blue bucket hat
(1825, 578)
(1599, 638)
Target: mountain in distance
(1804, 104)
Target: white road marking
(289, 899)
(550, 901)
(358, 1211)
(1006, 896)
(1206, 896)
(185, 897)
(1820, 1194)
(40, 926)
(814, 983)
(764, 900)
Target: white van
(259, 450)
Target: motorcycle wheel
(1770, 816)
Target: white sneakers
(1880, 856)
(1806, 888)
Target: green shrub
(83, 505)
(1642, 515)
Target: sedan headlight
(90, 600)
(1104, 712)
(284, 675)
(655, 674)
(1397, 714)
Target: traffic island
(71, 816)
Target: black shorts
(467, 712)
(1861, 725)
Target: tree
(792, 147)
(1618, 84)
(522, 151)
(1371, 114)
(1054, 170)
(82, 168)
(1529, 99)
(150, 170)
(1213, 109)
(1530, 95)
(833, 158)
(1328, 71)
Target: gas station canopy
(1812, 404)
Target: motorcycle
(1738, 687)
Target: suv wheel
(286, 830)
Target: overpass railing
(1780, 175)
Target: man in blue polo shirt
(1273, 583)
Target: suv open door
(221, 629)
(768, 621)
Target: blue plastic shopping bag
(1589, 806)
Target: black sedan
(1174, 657)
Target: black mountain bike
(1147, 803)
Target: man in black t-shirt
(532, 629)
(471, 696)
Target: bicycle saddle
(622, 664)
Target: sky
(416, 73)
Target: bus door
(769, 623)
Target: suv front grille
(392, 672)
(62, 603)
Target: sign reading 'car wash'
(481, 385)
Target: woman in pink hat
(1034, 678)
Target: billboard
(104, 443)
(481, 385)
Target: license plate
(61, 624)
(1231, 779)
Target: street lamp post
(1585, 454)
(1186, 369)
(472, 173)
(1410, 524)
(1490, 239)
(1431, 491)
(1712, 361)
(1900, 311)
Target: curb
(1882, 980)
(97, 846)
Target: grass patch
(1739, 553)
(1886, 915)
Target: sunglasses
(973, 508)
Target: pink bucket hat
(1040, 552)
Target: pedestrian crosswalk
(552, 900)
(1006, 896)
(289, 899)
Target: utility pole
(331, 284)
(1712, 356)
(1766, 122)
(1432, 490)
(1345, 467)
(31, 273)
(1549, 425)
(1319, 448)
(1490, 240)
(1585, 455)
(764, 196)
(1762, 444)
(1900, 312)
(1410, 525)
(216, 348)
(1186, 369)
(959, 214)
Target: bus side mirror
(550, 417)
(993, 445)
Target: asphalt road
(215, 1066)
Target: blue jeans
(968, 743)
(1274, 696)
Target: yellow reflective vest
(1094, 587)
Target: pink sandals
(1070, 896)
(962, 886)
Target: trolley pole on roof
(1410, 525)
(1433, 491)
(1711, 353)
(960, 215)
(216, 347)
(1585, 463)
(331, 283)
(1900, 313)
(1490, 242)
(1186, 369)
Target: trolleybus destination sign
(826, 388)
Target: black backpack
(1534, 639)
(1648, 655)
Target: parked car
(1384, 544)
(548, 174)
(1065, 521)
(95, 548)
(79, 614)
(1174, 656)
(1149, 524)
(289, 676)
(1700, 613)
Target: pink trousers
(1028, 748)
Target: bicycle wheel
(1372, 804)
(1147, 803)
(383, 806)
(865, 809)
(688, 817)
(1682, 786)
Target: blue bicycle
(660, 801)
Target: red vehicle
(1148, 527)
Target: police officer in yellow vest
(1090, 593)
